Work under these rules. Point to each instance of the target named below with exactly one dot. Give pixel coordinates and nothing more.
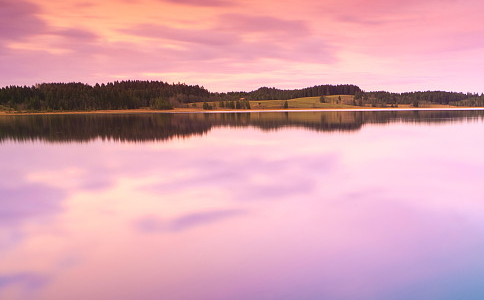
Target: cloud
(248, 24)
(354, 41)
(192, 36)
(79, 35)
(202, 3)
(19, 23)
(378, 10)
(85, 4)
(238, 39)
(229, 29)
(29, 281)
(155, 224)
(233, 41)
(203, 218)
(363, 20)
(19, 20)
(428, 38)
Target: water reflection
(158, 127)
(385, 212)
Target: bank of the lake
(216, 110)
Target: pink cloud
(195, 36)
(385, 9)
(18, 20)
(76, 34)
(393, 28)
(209, 3)
(231, 39)
(347, 41)
(247, 23)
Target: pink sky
(228, 45)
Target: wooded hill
(384, 99)
(161, 95)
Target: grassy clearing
(331, 102)
(307, 102)
(303, 103)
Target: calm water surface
(341, 205)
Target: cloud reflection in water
(388, 212)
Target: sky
(241, 45)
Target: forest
(138, 94)
(133, 94)
(416, 99)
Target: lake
(262, 205)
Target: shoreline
(197, 110)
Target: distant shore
(200, 110)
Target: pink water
(392, 211)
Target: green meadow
(334, 101)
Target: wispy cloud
(152, 224)
(243, 23)
(19, 20)
(193, 36)
(316, 42)
(29, 281)
(207, 3)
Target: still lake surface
(299, 205)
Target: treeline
(162, 95)
(476, 101)
(416, 99)
(267, 93)
(138, 94)
(115, 95)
